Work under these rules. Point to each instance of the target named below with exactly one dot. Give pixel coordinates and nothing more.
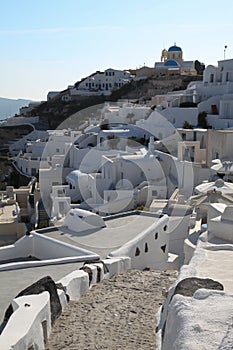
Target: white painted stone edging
(24, 335)
(29, 324)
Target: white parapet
(75, 284)
(149, 248)
(203, 321)
(30, 323)
(117, 265)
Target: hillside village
(122, 170)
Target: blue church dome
(171, 63)
(174, 48)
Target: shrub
(187, 125)
(201, 119)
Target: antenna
(225, 47)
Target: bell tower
(164, 55)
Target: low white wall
(62, 298)
(29, 325)
(148, 249)
(221, 229)
(178, 229)
(185, 272)
(56, 250)
(22, 247)
(37, 245)
(199, 322)
(75, 284)
(117, 265)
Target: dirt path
(115, 314)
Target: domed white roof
(218, 185)
(79, 220)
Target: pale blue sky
(47, 45)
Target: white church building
(172, 59)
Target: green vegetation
(187, 125)
(142, 207)
(201, 119)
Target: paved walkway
(115, 314)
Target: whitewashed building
(100, 83)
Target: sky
(47, 45)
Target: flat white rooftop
(119, 230)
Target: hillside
(10, 107)
(8, 175)
(55, 111)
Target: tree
(187, 125)
(202, 122)
(200, 67)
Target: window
(156, 235)
(137, 252)
(211, 78)
(57, 150)
(154, 193)
(163, 247)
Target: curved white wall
(148, 249)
